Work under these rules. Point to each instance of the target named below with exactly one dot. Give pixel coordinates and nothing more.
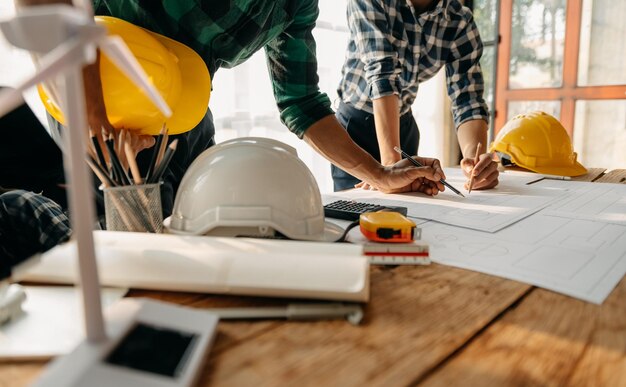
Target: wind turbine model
(144, 342)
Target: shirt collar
(440, 8)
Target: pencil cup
(134, 208)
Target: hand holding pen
(481, 170)
(404, 177)
(418, 164)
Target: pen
(555, 177)
(417, 164)
(476, 157)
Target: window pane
(488, 66)
(537, 41)
(485, 17)
(519, 107)
(600, 133)
(602, 58)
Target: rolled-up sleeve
(464, 76)
(369, 25)
(292, 64)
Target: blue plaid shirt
(29, 223)
(392, 50)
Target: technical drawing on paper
(603, 202)
(580, 258)
(489, 211)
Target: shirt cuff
(463, 115)
(299, 117)
(384, 87)
(382, 78)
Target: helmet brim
(332, 233)
(195, 89)
(576, 169)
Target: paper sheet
(594, 201)
(51, 325)
(579, 258)
(489, 211)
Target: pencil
(98, 148)
(130, 157)
(163, 147)
(155, 152)
(476, 157)
(115, 161)
(99, 171)
(418, 164)
(167, 157)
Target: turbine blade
(119, 53)
(57, 61)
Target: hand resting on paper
(418, 179)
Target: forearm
(387, 121)
(331, 141)
(469, 134)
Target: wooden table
(432, 325)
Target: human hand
(485, 171)
(403, 176)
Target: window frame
(569, 91)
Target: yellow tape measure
(387, 226)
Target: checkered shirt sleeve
(29, 223)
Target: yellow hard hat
(177, 71)
(538, 142)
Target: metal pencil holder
(134, 208)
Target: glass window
(485, 17)
(600, 133)
(487, 63)
(519, 107)
(537, 43)
(602, 58)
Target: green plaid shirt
(226, 33)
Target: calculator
(351, 210)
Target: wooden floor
(429, 325)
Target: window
(567, 58)
(486, 18)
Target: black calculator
(351, 210)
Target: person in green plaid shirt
(226, 33)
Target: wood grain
(548, 340)
(416, 318)
(614, 176)
(591, 175)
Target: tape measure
(387, 226)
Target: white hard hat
(251, 187)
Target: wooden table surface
(429, 325)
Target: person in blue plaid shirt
(394, 46)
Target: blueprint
(489, 210)
(579, 258)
